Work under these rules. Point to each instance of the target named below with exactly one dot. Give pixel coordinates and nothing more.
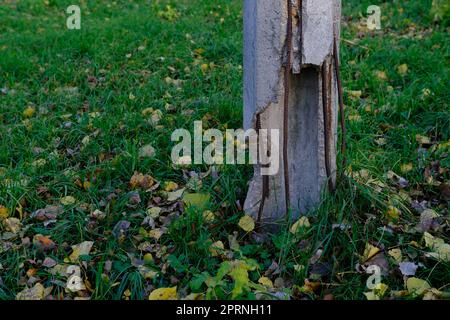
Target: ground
(90, 202)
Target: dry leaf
(417, 286)
(146, 151)
(303, 222)
(175, 195)
(12, 224)
(35, 293)
(402, 69)
(81, 249)
(4, 212)
(164, 294)
(216, 248)
(247, 223)
(68, 201)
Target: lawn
(87, 184)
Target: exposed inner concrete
(303, 152)
(264, 54)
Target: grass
(86, 91)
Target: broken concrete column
(290, 84)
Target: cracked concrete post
(312, 100)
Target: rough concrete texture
(265, 23)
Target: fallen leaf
(265, 282)
(356, 94)
(170, 186)
(81, 249)
(393, 213)
(35, 293)
(12, 224)
(43, 242)
(303, 222)
(216, 248)
(198, 200)
(247, 223)
(441, 250)
(422, 139)
(175, 195)
(402, 69)
(4, 212)
(141, 181)
(417, 286)
(49, 262)
(67, 201)
(146, 151)
(369, 252)
(381, 75)
(405, 168)
(377, 293)
(164, 294)
(154, 212)
(428, 220)
(29, 112)
(155, 233)
(147, 273)
(208, 216)
(396, 254)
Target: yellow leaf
(247, 223)
(147, 111)
(265, 282)
(402, 69)
(154, 212)
(204, 67)
(12, 224)
(208, 216)
(199, 200)
(381, 75)
(396, 254)
(417, 286)
(164, 294)
(148, 258)
(355, 94)
(170, 186)
(199, 51)
(405, 168)
(371, 296)
(370, 251)
(67, 201)
(426, 92)
(303, 222)
(86, 185)
(4, 212)
(393, 213)
(216, 248)
(377, 293)
(29, 112)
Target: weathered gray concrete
(265, 24)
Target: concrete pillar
(290, 84)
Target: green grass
(120, 62)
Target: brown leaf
(43, 242)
